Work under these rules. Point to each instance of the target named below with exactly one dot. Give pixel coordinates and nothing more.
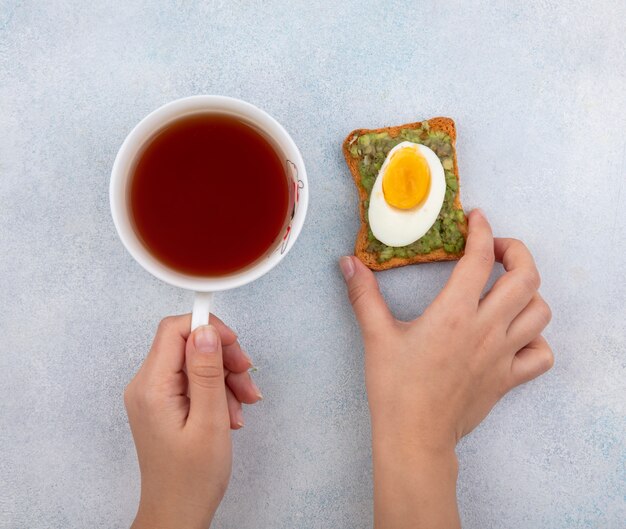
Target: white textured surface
(537, 89)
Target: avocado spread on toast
(371, 150)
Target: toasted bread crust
(360, 250)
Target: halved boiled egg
(407, 195)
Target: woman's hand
(181, 406)
(433, 380)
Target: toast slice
(367, 249)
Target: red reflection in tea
(209, 195)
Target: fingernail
(205, 339)
(247, 357)
(347, 267)
(479, 212)
(239, 418)
(256, 390)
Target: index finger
(514, 290)
(167, 354)
(513, 253)
(472, 272)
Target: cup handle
(201, 309)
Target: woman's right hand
(433, 380)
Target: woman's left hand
(181, 406)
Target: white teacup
(120, 207)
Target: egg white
(400, 227)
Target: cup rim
(144, 130)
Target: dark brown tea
(209, 195)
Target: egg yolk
(406, 181)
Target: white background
(537, 90)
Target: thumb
(205, 371)
(367, 302)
